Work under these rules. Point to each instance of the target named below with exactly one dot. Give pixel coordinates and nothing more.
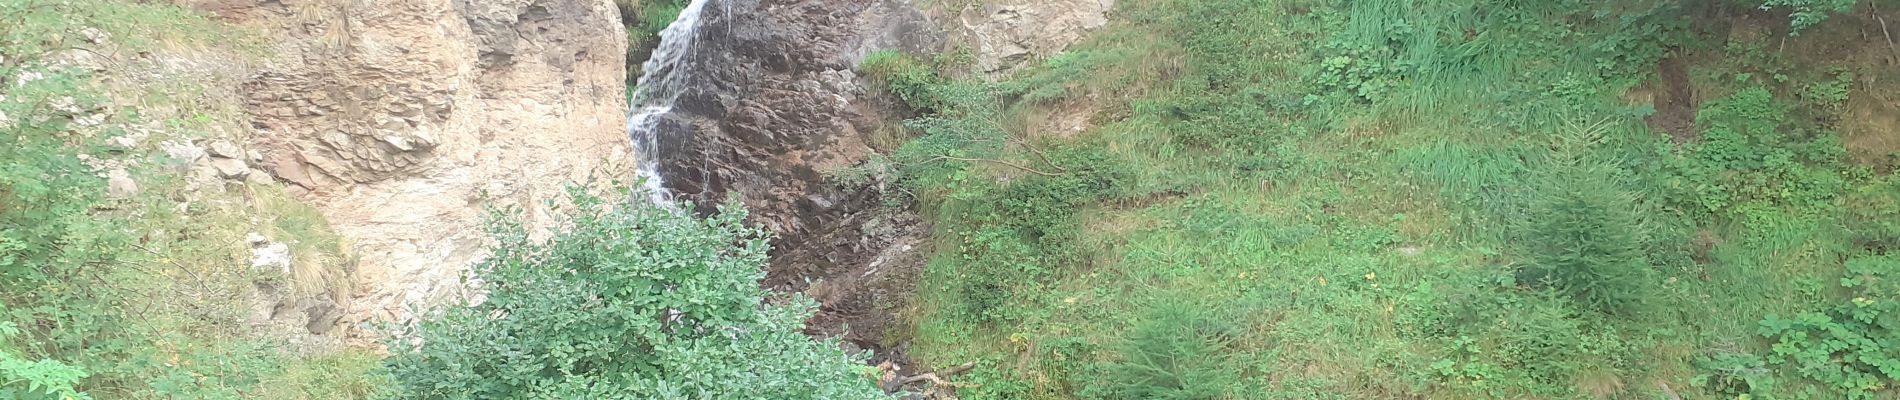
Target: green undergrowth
(643, 20)
(144, 293)
(1320, 199)
(630, 301)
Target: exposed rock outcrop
(1005, 34)
(402, 120)
(770, 106)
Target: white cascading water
(654, 94)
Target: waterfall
(659, 87)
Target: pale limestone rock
(258, 177)
(230, 168)
(202, 175)
(119, 184)
(122, 142)
(271, 255)
(1007, 34)
(226, 150)
(395, 136)
(183, 151)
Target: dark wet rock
(771, 106)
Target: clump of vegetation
(1391, 190)
(112, 292)
(1805, 14)
(644, 20)
(35, 379)
(1176, 351)
(1849, 347)
(1338, 176)
(1748, 159)
(911, 80)
(1585, 242)
(1363, 73)
(630, 301)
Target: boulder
(119, 184)
(226, 150)
(230, 168)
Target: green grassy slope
(145, 290)
(1415, 199)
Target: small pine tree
(1178, 351)
(1585, 239)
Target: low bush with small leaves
(1849, 349)
(631, 300)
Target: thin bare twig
(937, 379)
(109, 61)
(1005, 163)
(1668, 392)
(1883, 30)
(1041, 155)
(966, 367)
(932, 377)
(194, 274)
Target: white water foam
(655, 93)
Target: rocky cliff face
(402, 120)
(769, 106)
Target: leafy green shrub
(654, 16)
(1849, 348)
(1465, 367)
(630, 301)
(27, 379)
(1363, 72)
(1748, 155)
(961, 132)
(1632, 43)
(1176, 351)
(996, 269)
(987, 382)
(1806, 14)
(1040, 205)
(1829, 97)
(1873, 215)
(1734, 375)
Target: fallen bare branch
(1668, 392)
(1883, 30)
(1005, 163)
(1041, 155)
